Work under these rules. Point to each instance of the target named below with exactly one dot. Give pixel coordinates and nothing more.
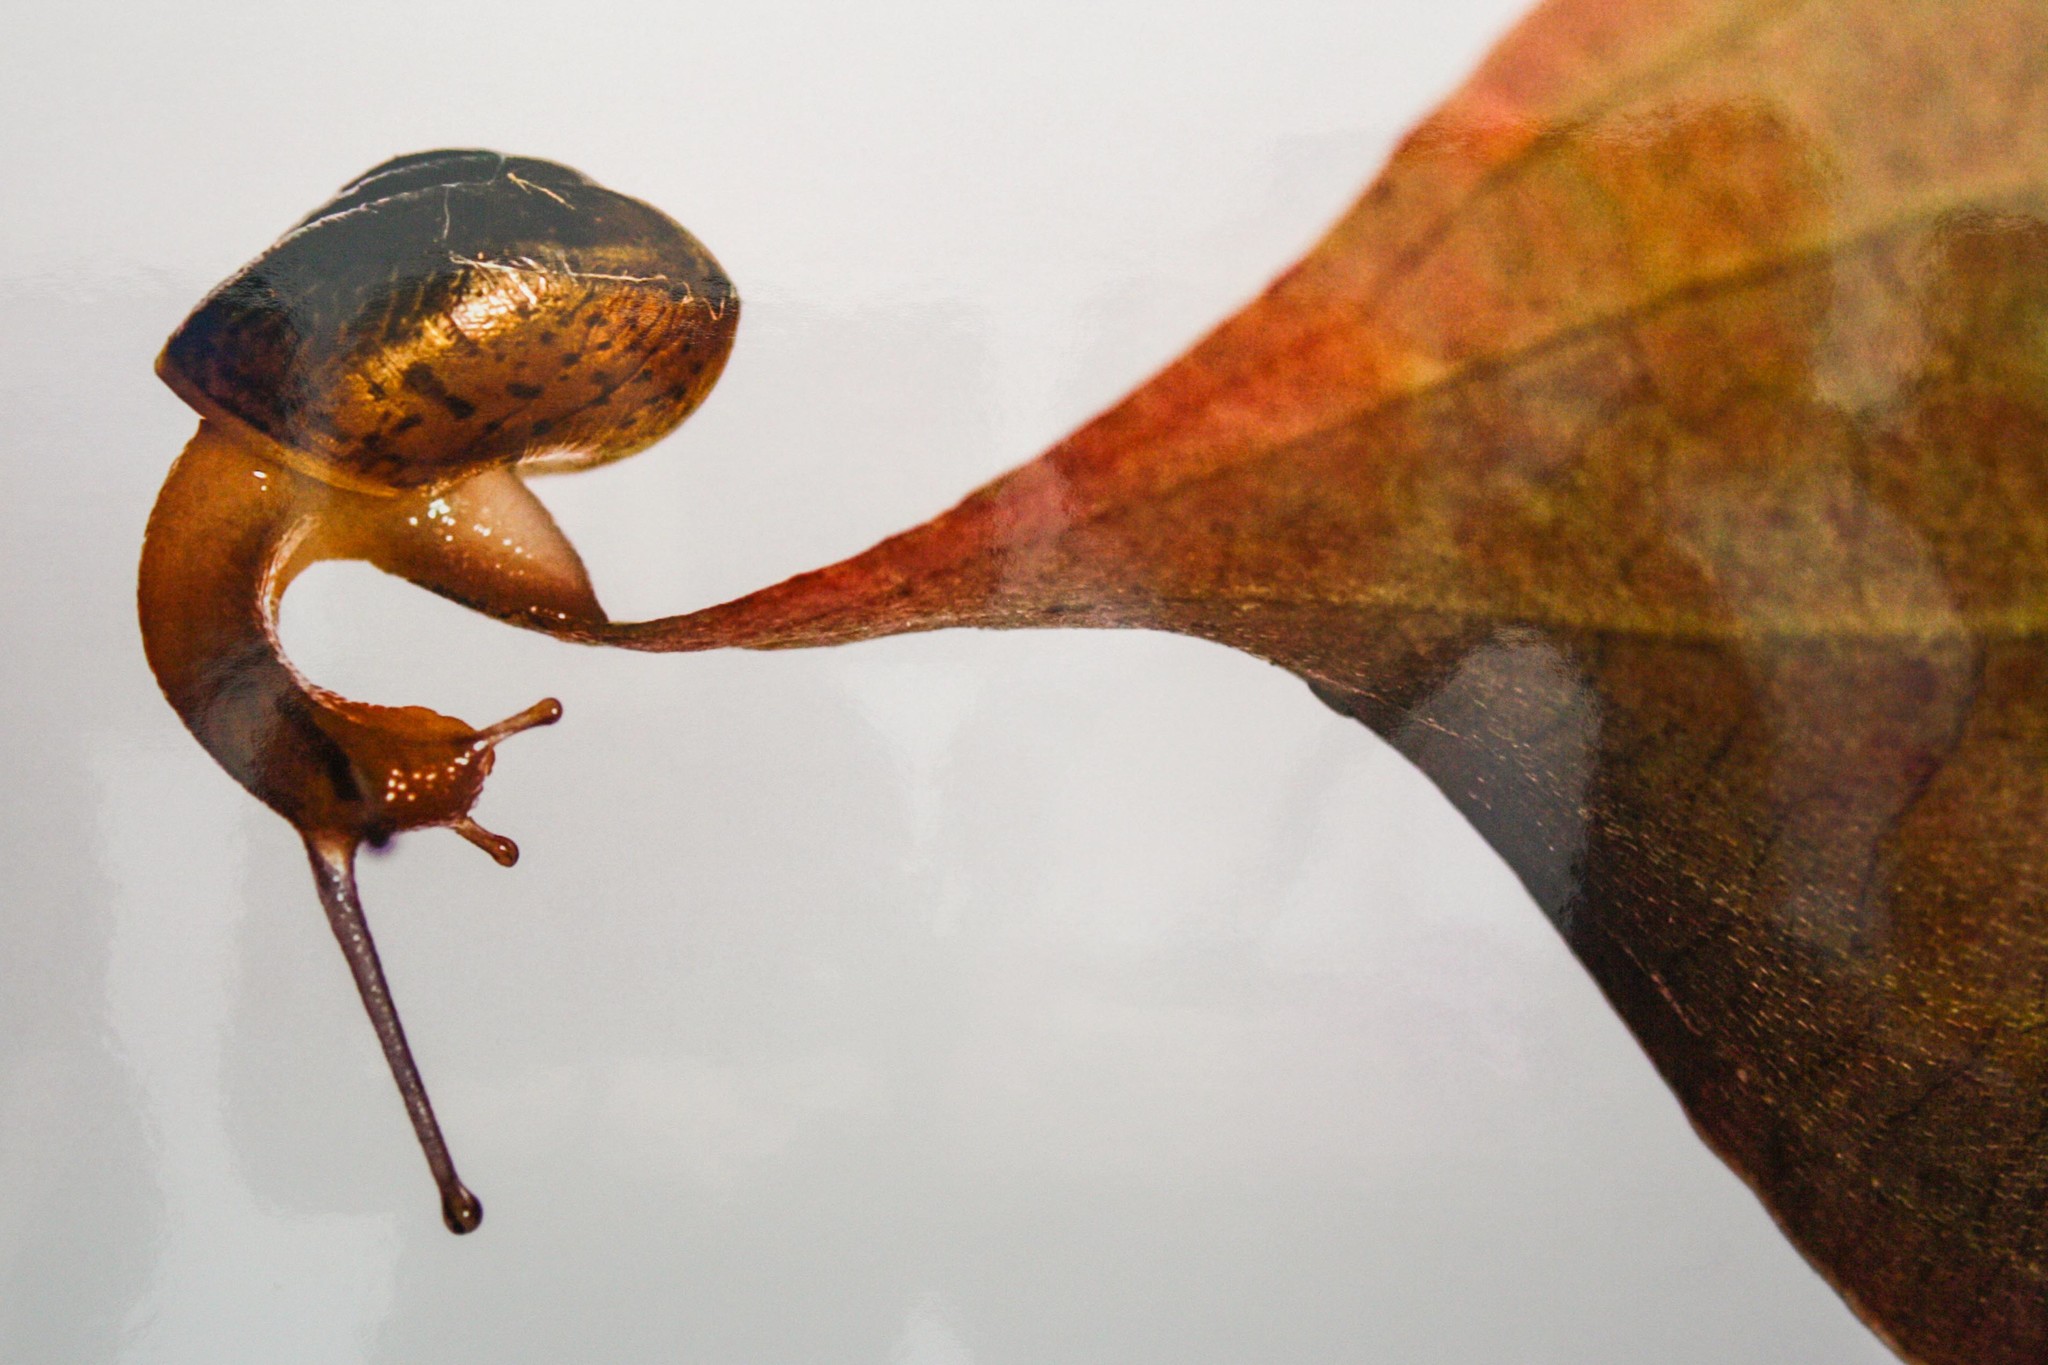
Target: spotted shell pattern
(453, 311)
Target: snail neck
(230, 530)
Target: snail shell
(453, 311)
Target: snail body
(374, 386)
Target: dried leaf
(1657, 455)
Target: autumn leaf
(1657, 454)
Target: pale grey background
(1007, 1000)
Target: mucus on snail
(375, 386)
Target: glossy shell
(453, 310)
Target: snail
(375, 386)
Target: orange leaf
(1657, 455)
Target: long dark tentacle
(334, 871)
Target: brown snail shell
(451, 311)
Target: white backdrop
(1013, 1000)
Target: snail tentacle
(334, 873)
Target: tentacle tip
(501, 849)
(544, 712)
(462, 1211)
